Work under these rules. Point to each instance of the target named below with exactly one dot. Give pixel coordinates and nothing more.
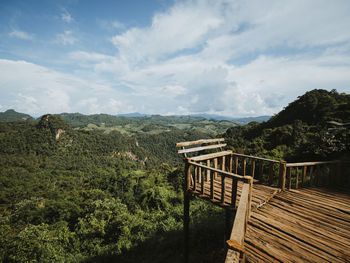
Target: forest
(77, 188)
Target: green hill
(154, 124)
(12, 115)
(315, 108)
(300, 131)
(84, 196)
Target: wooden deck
(306, 225)
(289, 223)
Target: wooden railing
(213, 183)
(259, 168)
(312, 173)
(287, 175)
(235, 244)
(262, 169)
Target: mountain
(300, 131)
(133, 114)
(12, 115)
(78, 120)
(149, 124)
(315, 107)
(240, 121)
(244, 121)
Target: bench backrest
(200, 145)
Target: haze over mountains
(12, 115)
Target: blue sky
(225, 57)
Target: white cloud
(21, 35)
(173, 90)
(84, 59)
(237, 58)
(37, 90)
(66, 17)
(67, 38)
(118, 25)
(200, 46)
(182, 27)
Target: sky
(226, 57)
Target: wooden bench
(200, 146)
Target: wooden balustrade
(272, 172)
(311, 173)
(221, 187)
(235, 244)
(262, 169)
(259, 168)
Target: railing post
(289, 177)
(230, 164)
(195, 179)
(200, 174)
(261, 171)
(186, 217)
(271, 174)
(188, 171)
(202, 181)
(216, 167)
(303, 179)
(211, 185)
(208, 171)
(223, 163)
(297, 178)
(282, 175)
(223, 189)
(234, 193)
(252, 170)
(236, 165)
(244, 166)
(249, 200)
(311, 175)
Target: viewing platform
(305, 225)
(283, 212)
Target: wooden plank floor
(306, 225)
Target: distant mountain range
(12, 115)
(241, 121)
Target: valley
(101, 188)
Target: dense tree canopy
(71, 192)
(300, 131)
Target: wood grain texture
(239, 225)
(255, 158)
(305, 225)
(210, 156)
(310, 163)
(203, 141)
(202, 148)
